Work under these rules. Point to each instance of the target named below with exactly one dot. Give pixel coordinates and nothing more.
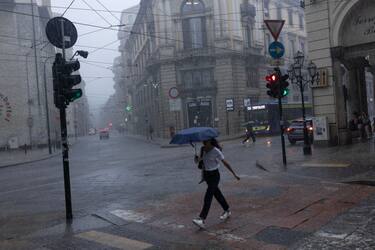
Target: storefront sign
(5, 108)
(229, 104)
(259, 107)
(247, 102)
(359, 27)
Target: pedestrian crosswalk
(114, 241)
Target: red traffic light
(272, 78)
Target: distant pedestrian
(151, 131)
(210, 163)
(366, 133)
(249, 133)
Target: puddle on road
(130, 215)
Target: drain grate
(280, 236)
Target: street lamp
(81, 53)
(296, 77)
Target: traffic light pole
(282, 131)
(65, 152)
(65, 145)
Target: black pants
(248, 136)
(212, 179)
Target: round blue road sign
(276, 50)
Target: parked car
(104, 134)
(92, 131)
(295, 131)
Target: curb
(30, 161)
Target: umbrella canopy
(192, 135)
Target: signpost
(277, 51)
(63, 34)
(173, 93)
(275, 27)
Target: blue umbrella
(192, 135)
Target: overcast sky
(98, 90)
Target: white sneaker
(225, 215)
(199, 222)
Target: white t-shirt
(212, 159)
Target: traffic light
(273, 85)
(56, 72)
(129, 108)
(64, 81)
(277, 83)
(69, 81)
(284, 84)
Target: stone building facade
(342, 44)
(26, 86)
(194, 62)
(114, 110)
(23, 103)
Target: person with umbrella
(212, 156)
(209, 160)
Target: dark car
(295, 131)
(104, 134)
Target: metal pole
(35, 51)
(47, 108)
(64, 138)
(282, 130)
(28, 101)
(63, 38)
(227, 125)
(65, 151)
(306, 144)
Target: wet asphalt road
(119, 173)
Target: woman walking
(211, 156)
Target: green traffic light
(75, 94)
(128, 108)
(286, 92)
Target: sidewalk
(17, 157)
(270, 211)
(164, 143)
(351, 230)
(352, 163)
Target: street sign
(229, 104)
(276, 62)
(275, 27)
(54, 32)
(173, 93)
(276, 50)
(175, 104)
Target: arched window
(192, 6)
(193, 27)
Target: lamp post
(296, 76)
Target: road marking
(331, 235)
(326, 165)
(130, 215)
(114, 240)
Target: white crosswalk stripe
(114, 240)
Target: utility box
(321, 128)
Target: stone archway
(356, 45)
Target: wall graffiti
(5, 108)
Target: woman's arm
(227, 165)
